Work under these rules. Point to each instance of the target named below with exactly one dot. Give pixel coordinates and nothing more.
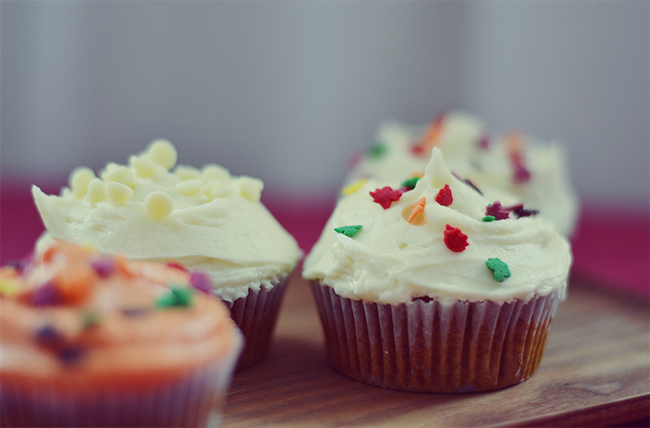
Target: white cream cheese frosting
(490, 163)
(205, 219)
(391, 260)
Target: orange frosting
(101, 323)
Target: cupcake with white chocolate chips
(431, 287)
(198, 219)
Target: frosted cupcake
(90, 339)
(513, 168)
(431, 287)
(204, 219)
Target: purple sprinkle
(70, 354)
(470, 184)
(135, 312)
(19, 265)
(521, 174)
(496, 211)
(201, 282)
(103, 266)
(46, 295)
(484, 142)
(520, 211)
(48, 336)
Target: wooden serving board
(595, 372)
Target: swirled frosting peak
(436, 236)
(153, 209)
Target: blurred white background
(289, 91)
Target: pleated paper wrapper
(427, 346)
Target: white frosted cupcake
(201, 219)
(513, 168)
(434, 288)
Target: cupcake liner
(256, 315)
(427, 346)
(192, 401)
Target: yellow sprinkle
(158, 205)
(417, 208)
(189, 187)
(352, 188)
(251, 188)
(143, 168)
(121, 174)
(79, 179)
(118, 192)
(163, 153)
(96, 191)
(187, 172)
(215, 172)
(8, 287)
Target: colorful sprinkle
(104, 266)
(495, 210)
(499, 269)
(90, 318)
(488, 218)
(454, 239)
(201, 281)
(473, 186)
(409, 184)
(176, 265)
(9, 287)
(70, 355)
(135, 312)
(520, 211)
(48, 336)
(376, 151)
(385, 196)
(417, 208)
(484, 142)
(520, 173)
(444, 196)
(176, 297)
(431, 137)
(46, 295)
(18, 265)
(354, 187)
(348, 230)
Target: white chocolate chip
(96, 190)
(79, 179)
(189, 187)
(214, 172)
(121, 174)
(143, 168)
(158, 205)
(118, 192)
(185, 172)
(163, 153)
(250, 188)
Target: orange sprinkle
(75, 282)
(432, 135)
(417, 208)
(514, 142)
(417, 174)
(123, 266)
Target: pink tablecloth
(611, 247)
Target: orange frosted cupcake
(95, 340)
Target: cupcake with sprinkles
(90, 339)
(203, 219)
(514, 168)
(429, 286)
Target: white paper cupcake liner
(427, 346)
(256, 316)
(195, 400)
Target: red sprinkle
(444, 196)
(176, 265)
(496, 211)
(385, 196)
(521, 174)
(455, 240)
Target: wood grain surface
(595, 372)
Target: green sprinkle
(410, 183)
(488, 218)
(176, 297)
(499, 269)
(377, 151)
(348, 230)
(89, 318)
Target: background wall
(290, 91)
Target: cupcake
(90, 339)
(514, 168)
(205, 219)
(432, 287)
